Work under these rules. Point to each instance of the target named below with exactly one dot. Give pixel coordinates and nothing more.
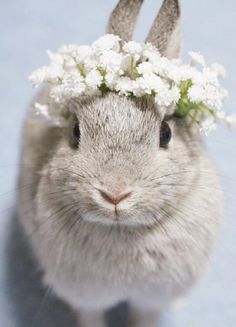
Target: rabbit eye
(76, 134)
(165, 134)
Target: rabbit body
(155, 244)
(150, 256)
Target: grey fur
(165, 31)
(158, 247)
(123, 18)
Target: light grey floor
(27, 29)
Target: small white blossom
(207, 126)
(196, 93)
(220, 115)
(57, 93)
(39, 76)
(149, 83)
(73, 86)
(167, 97)
(151, 53)
(57, 58)
(175, 94)
(41, 109)
(82, 53)
(69, 49)
(133, 48)
(111, 79)
(145, 68)
(93, 79)
(110, 61)
(219, 70)
(231, 121)
(212, 98)
(107, 42)
(124, 86)
(208, 76)
(43, 115)
(90, 63)
(197, 58)
(126, 63)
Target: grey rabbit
(112, 215)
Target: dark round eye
(76, 133)
(165, 134)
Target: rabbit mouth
(116, 215)
(107, 216)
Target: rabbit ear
(123, 18)
(165, 31)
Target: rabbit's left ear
(165, 33)
(123, 18)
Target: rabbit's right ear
(123, 18)
(165, 32)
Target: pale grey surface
(30, 27)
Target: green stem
(81, 70)
(133, 71)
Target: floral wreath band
(134, 69)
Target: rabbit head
(120, 161)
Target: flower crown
(132, 69)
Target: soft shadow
(27, 294)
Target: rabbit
(121, 204)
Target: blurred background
(30, 27)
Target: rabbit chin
(123, 217)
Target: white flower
(219, 70)
(41, 109)
(57, 58)
(161, 66)
(197, 58)
(90, 63)
(124, 86)
(110, 61)
(149, 83)
(175, 94)
(57, 93)
(135, 69)
(107, 42)
(151, 53)
(93, 79)
(126, 63)
(145, 68)
(82, 53)
(231, 121)
(208, 125)
(69, 49)
(39, 76)
(72, 86)
(196, 93)
(167, 97)
(212, 97)
(133, 48)
(206, 77)
(111, 79)
(220, 115)
(74, 77)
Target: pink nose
(115, 199)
